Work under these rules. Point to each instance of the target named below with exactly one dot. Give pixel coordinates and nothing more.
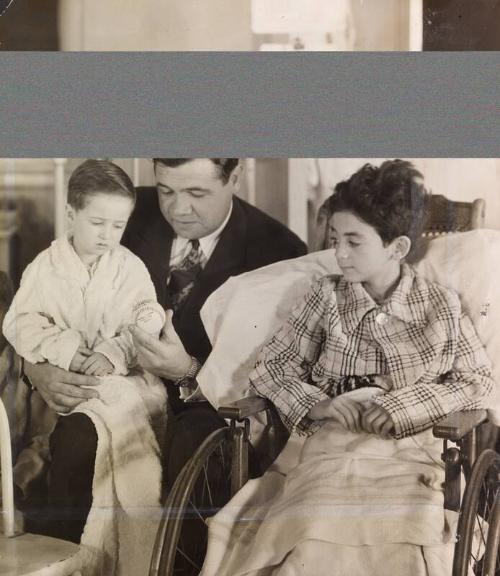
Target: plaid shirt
(420, 337)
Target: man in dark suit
(193, 233)
(195, 200)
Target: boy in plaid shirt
(379, 323)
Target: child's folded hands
(97, 365)
(81, 354)
(356, 412)
(343, 409)
(376, 420)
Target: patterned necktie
(183, 275)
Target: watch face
(4, 4)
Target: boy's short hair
(224, 165)
(98, 176)
(391, 198)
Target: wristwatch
(190, 375)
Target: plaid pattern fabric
(183, 275)
(419, 336)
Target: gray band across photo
(250, 104)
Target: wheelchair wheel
(476, 550)
(203, 487)
(491, 562)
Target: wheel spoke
(188, 559)
(194, 508)
(207, 485)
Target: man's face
(193, 198)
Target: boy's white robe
(61, 305)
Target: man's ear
(235, 177)
(402, 245)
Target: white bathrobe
(60, 305)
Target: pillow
(245, 312)
(467, 263)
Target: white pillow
(245, 312)
(468, 263)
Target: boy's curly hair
(391, 198)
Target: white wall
(206, 25)
(381, 24)
(155, 25)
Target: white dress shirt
(182, 246)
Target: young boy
(378, 321)
(364, 366)
(73, 309)
(78, 296)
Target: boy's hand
(81, 354)
(97, 365)
(342, 409)
(376, 420)
(384, 381)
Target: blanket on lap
(350, 494)
(122, 523)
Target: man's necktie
(183, 275)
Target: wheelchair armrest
(457, 425)
(244, 408)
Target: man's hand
(97, 365)
(378, 421)
(81, 354)
(165, 357)
(61, 390)
(342, 409)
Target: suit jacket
(250, 240)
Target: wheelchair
(196, 495)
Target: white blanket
(122, 523)
(351, 500)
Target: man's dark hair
(391, 198)
(224, 165)
(98, 176)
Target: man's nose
(181, 205)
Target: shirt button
(381, 318)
